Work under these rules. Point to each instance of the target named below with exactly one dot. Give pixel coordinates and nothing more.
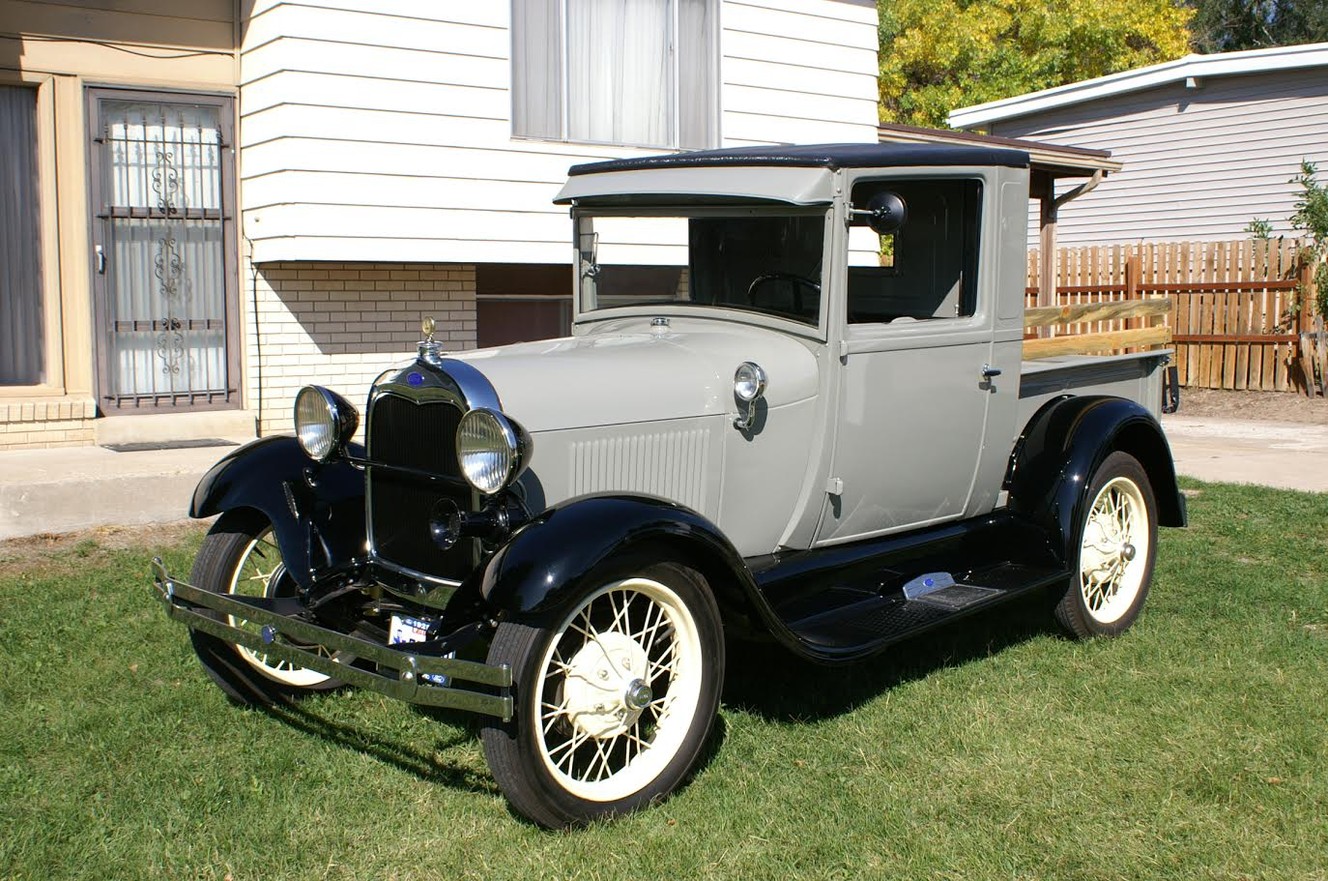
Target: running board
(857, 623)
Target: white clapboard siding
(350, 59)
(429, 30)
(381, 131)
(1200, 163)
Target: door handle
(988, 371)
(101, 260)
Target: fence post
(1305, 321)
(1132, 272)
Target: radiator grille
(420, 436)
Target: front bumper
(405, 671)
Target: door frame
(98, 229)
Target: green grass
(1193, 747)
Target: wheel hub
(604, 691)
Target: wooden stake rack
(1150, 331)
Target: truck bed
(1136, 376)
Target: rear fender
(557, 554)
(316, 511)
(1062, 446)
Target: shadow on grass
(768, 681)
(762, 679)
(429, 766)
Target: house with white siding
(210, 203)
(1207, 142)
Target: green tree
(937, 55)
(1229, 25)
(1311, 218)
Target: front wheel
(615, 692)
(1117, 547)
(240, 556)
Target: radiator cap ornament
(431, 352)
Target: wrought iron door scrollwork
(169, 271)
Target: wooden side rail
(1150, 310)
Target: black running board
(860, 623)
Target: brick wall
(53, 422)
(339, 325)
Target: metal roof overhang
(1054, 159)
(1047, 164)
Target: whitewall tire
(1117, 545)
(615, 695)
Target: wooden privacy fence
(1240, 312)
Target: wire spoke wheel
(240, 556)
(261, 572)
(616, 694)
(1116, 551)
(1115, 537)
(618, 686)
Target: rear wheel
(615, 692)
(240, 556)
(1118, 543)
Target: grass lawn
(1193, 747)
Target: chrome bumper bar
(272, 631)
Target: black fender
(554, 556)
(1062, 446)
(316, 510)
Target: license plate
(407, 629)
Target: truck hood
(625, 371)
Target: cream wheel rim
(258, 573)
(1115, 551)
(618, 688)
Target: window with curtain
(632, 72)
(22, 333)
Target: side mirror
(886, 212)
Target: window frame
(981, 295)
(830, 243)
(713, 56)
(53, 320)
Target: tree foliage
(1311, 219)
(1230, 25)
(937, 55)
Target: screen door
(163, 252)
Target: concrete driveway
(1282, 454)
(64, 490)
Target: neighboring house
(205, 204)
(1208, 142)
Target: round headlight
(324, 422)
(748, 382)
(492, 450)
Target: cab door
(916, 382)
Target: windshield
(757, 260)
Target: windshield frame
(582, 221)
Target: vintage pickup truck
(794, 406)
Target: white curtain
(697, 88)
(620, 84)
(537, 73)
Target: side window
(927, 268)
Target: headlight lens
(748, 382)
(324, 422)
(492, 450)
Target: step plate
(957, 596)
